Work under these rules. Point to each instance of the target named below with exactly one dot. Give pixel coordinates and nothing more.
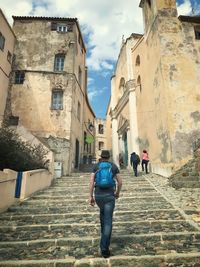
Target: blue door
(18, 184)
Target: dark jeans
(145, 164)
(105, 200)
(135, 165)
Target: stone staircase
(57, 228)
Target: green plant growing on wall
(19, 155)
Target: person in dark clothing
(105, 199)
(135, 161)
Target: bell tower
(151, 9)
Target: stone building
(122, 107)
(48, 92)
(100, 137)
(155, 98)
(7, 40)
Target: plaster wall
(181, 67)
(108, 129)
(7, 188)
(5, 65)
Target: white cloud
(196, 8)
(105, 21)
(185, 8)
(12, 7)
(90, 80)
(94, 92)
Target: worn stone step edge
(123, 194)
(113, 261)
(97, 211)
(115, 223)
(122, 198)
(116, 213)
(62, 241)
(85, 205)
(119, 206)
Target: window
(80, 76)
(197, 33)
(79, 111)
(61, 28)
(19, 77)
(149, 3)
(2, 41)
(57, 99)
(101, 145)
(13, 120)
(137, 62)
(121, 87)
(85, 143)
(9, 57)
(139, 83)
(59, 62)
(101, 130)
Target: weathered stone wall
(189, 174)
(180, 67)
(35, 49)
(151, 100)
(168, 98)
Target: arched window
(121, 87)
(149, 3)
(137, 62)
(139, 83)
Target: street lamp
(89, 126)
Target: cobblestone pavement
(186, 199)
(154, 226)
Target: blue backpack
(104, 175)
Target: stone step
(58, 230)
(172, 260)
(56, 227)
(78, 190)
(69, 201)
(44, 195)
(84, 207)
(86, 183)
(87, 247)
(91, 217)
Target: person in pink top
(145, 160)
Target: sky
(104, 23)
